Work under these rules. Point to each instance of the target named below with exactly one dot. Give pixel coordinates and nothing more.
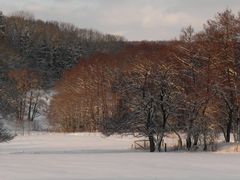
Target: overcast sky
(134, 19)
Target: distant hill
(49, 47)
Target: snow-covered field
(92, 156)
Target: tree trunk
(180, 144)
(235, 134)
(159, 145)
(152, 144)
(205, 143)
(223, 131)
(188, 143)
(189, 134)
(228, 132)
(195, 139)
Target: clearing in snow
(58, 156)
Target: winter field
(42, 156)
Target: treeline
(51, 47)
(35, 53)
(189, 86)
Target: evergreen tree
(5, 133)
(2, 25)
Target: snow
(55, 156)
(228, 147)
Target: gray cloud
(134, 19)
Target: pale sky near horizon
(133, 19)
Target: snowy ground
(91, 156)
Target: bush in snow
(5, 134)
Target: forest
(105, 83)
